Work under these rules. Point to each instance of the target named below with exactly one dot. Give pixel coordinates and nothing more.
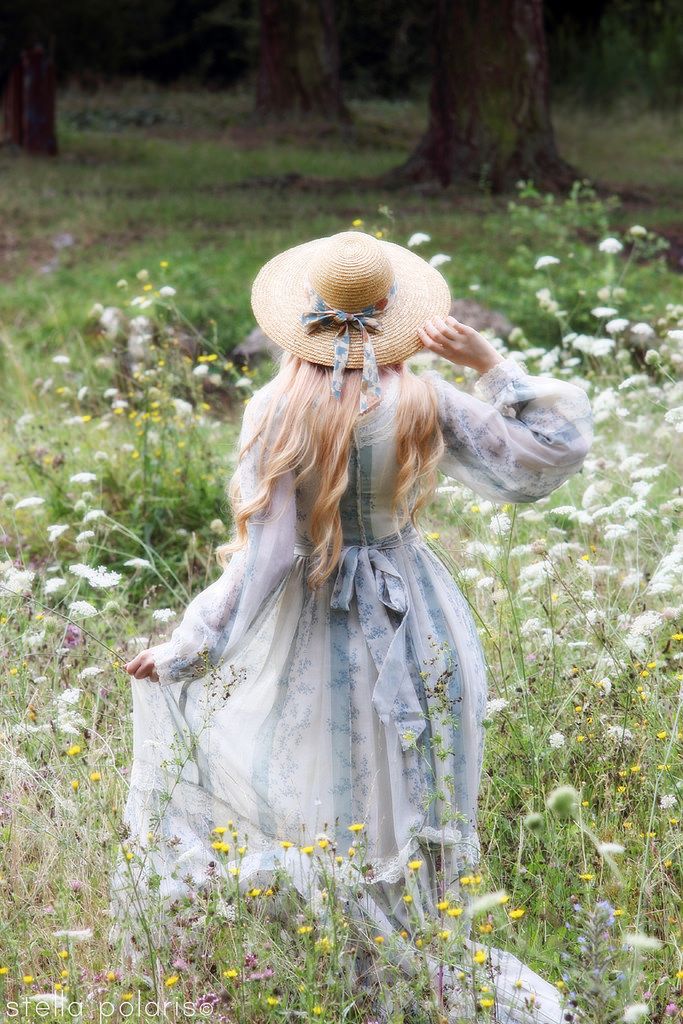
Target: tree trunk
(299, 59)
(489, 110)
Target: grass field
(579, 597)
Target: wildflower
(173, 980)
(163, 614)
(273, 1000)
(419, 238)
(556, 740)
(611, 246)
(95, 776)
(307, 849)
(167, 292)
(479, 957)
(643, 330)
(635, 1012)
(74, 749)
(439, 259)
(82, 478)
(100, 578)
(230, 973)
(603, 311)
(285, 844)
(545, 261)
(414, 865)
(82, 609)
(55, 531)
(357, 827)
(138, 563)
(54, 584)
(32, 502)
(517, 913)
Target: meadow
(125, 268)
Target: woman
(332, 679)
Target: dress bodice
(365, 506)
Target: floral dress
(295, 715)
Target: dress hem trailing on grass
(289, 723)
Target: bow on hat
(322, 314)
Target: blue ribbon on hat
(322, 314)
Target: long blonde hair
(314, 436)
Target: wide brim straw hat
(351, 271)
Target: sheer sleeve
(524, 437)
(220, 614)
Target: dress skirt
(344, 719)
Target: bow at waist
(380, 590)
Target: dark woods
(598, 49)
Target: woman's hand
(459, 343)
(142, 666)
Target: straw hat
(351, 272)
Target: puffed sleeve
(216, 618)
(520, 440)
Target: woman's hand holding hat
(459, 343)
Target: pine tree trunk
(489, 110)
(299, 59)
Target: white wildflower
(675, 335)
(611, 246)
(94, 513)
(82, 478)
(419, 238)
(167, 292)
(163, 614)
(495, 705)
(101, 578)
(556, 740)
(54, 584)
(56, 530)
(90, 672)
(501, 524)
(616, 326)
(61, 360)
(82, 609)
(32, 502)
(439, 259)
(84, 535)
(593, 346)
(673, 416)
(138, 563)
(667, 801)
(637, 230)
(545, 261)
(642, 330)
(635, 1013)
(201, 370)
(602, 311)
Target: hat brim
(278, 299)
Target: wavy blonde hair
(314, 436)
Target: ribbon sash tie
(367, 571)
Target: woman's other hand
(142, 666)
(459, 343)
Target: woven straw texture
(350, 270)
